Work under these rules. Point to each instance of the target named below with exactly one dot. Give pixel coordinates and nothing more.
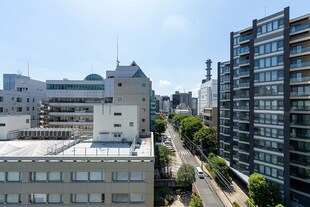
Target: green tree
(190, 125)
(160, 126)
(196, 201)
(177, 118)
(186, 175)
(209, 138)
(164, 153)
(279, 205)
(274, 195)
(258, 189)
(219, 170)
(171, 115)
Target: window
(2, 176)
(131, 124)
(117, 114)
(143, 120)
(80, 198)
(2, 124)
(119, 84)
(19, 99)
(120, 198)
(143, 84)
(96, 176)
(119, 98)
(13, 176)
(143, 99)
(27, 100)
(12, 198)
(143, 130)
(27, 108)
(37, 198)
(1, 98)
(117, 125)
(54, 198)
(19, 109)
(120, 176)
(39, 176)
(96, 198)
(80, 176)
(54, 176)
(137, 176)
(1, 198)
(27, 121)
(136, 197)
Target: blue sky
(169, 39)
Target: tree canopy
(257, 189)
(177, 118)
(219, 170)
(160, 126)
(209, 138)
(196, 201)
(190, 125)
(186, 175)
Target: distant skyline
(170, 40)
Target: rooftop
(75, 148)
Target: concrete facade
(115, 123)
(10, 126)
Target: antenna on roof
(28, 68)
(117, 61)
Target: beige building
(73, 173)
(128, 85)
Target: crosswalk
(185, 152)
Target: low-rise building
(10, 126)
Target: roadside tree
(189, 126)
(160, 126)
(186, 176)
(196, 201)
(209, 138)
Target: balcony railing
(299, 27)
(300, 50)
(301, 79)
(300, 65)
(305, 122)
(300, 108)
(244, 61)
(246, 84)
(245, 38)
(244, 73)
(300, 94)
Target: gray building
(182, 98)
(24, 98)
(264, 104)
(10, 79)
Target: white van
(199, 172)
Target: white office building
(10, 126)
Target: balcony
(300, 108)
(224, 70)
(295, 94)
(300, 50)
(244, 73)
(302, 123)
(299, 27)
(245, 84)
(300, 80)
(245, 38)
(299, 65)
(244, 139)
(244, 61)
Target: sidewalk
(228, 197)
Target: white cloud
(175, 22)
(164, 82)
(179, 88)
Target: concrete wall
(107, 115)
(10, 126)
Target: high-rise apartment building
(264, 104)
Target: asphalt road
(208, 195)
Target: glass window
(80, 198)
(137, 176)
(38, 198)
(96, 198)
(268, 76)
(274, 47)
(12, 198)
(264, 29)
(274, 61)
(261, 77)
(13, 176)
(120, 198)
(275, 25)
(54, 176)
(261, 63)
(2, 176)
(261, 169)
(1, 198)
(267, 62)
(136, 197)
(268, 48)
(269, 27)
(80, 176)
(267, 170)
(54, 198)
(120, 176)
(261, 49)
(96, 176)
(40, 176)
(274, 172)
